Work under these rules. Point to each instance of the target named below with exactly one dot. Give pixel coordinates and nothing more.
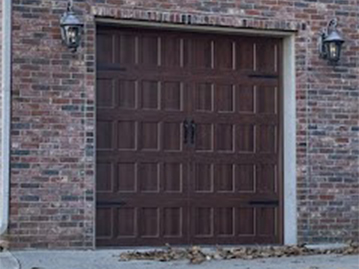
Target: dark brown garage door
(188, 138)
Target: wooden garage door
(188, 138)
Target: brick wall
(53, 124)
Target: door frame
(288, 202)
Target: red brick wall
(53, 120)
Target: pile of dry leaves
(196, 255)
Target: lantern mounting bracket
(70, 6)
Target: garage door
(188, 138)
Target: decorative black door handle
(264, 203)
(193, 132)
(185, 131)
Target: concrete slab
(109, 259)
(8, 261)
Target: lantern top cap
(334, 36)
(69, 18)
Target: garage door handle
(185, 131)
(262, 76)
(193, 132)
(264, 202)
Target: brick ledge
(221, 20)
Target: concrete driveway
(108, 259)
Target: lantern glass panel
(73, 36)
(333, 50)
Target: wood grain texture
(148, 84)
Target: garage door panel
(106, 42)
(127, 177)
(225, 98)
(149, 220)
(246, 221)
(202, 219)
(224, 54)
(246, 178)
(126, 135)
(245, 54)
(149, 94)
(266, 178)
(225, 137)
(173, 175)
(138, 223)
(126, 48)
(266, 138)
(104, 223)
(266, 55)
(204, 137)
(203, 97)
(250, 180)
(203, 181)
(127, 223)
(266, 221)
(245, 98)
(107, 172)
(148, 135)
(224, 178)
(107, 96)
(225, 222)
(233, 224)
(126, 94)
(172, 136)
(202, 56)
(149, 177)
(173, 222)
(105, 139)
(267, 100)
(246, 138)
(153, 225)
(149, 45)
(174, 51)
(172, 95)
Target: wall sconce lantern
(331, 43)
(71, 29)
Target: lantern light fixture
(331, 43)
(71, 28)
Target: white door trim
(5, 115)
